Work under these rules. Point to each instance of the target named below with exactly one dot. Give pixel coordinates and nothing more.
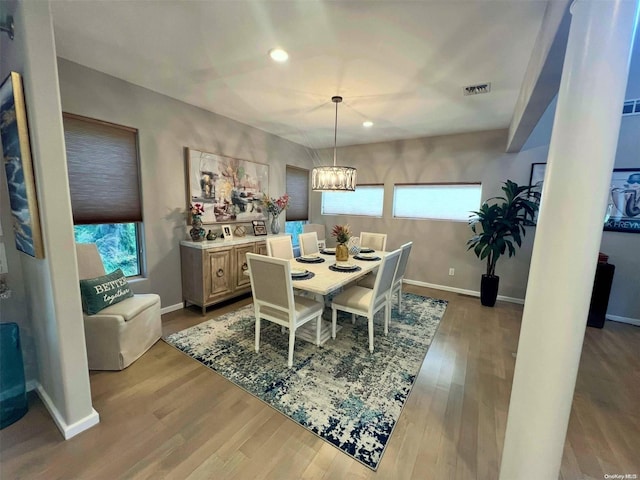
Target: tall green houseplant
(498, 227)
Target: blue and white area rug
(341, 392)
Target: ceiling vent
(477, 89)
(631, 107)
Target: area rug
(349, 397)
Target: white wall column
(580, 162)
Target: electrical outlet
(452, 272)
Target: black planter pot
(489, 290)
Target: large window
(102, 161)
(367, 200)
(436, 201)
(297, 183)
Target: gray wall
(165, 127)
(47, 303)
(439, 245)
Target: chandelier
(334, 178)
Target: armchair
(119, 334)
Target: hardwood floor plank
(168, 416)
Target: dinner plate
(345, 266)
(367, 255)
(332, 250)
(309, 257)
(298, 272)
(367, 250)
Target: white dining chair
(369, 280)
(280, 247)
(273, 299)
(366, 302)
(377, 241)
(320, 230)
(308, 243)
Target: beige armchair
(119, 334)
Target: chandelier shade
(334, 178)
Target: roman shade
(102, 162)
(298, 190)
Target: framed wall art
(623, 213)
(624, 201)
(16, 152)
(229, 188)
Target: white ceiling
(401, 64)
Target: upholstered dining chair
(377, 241)
(273, 299)
(366, 302)
(119, 334)
(369, 280)
(308, 243)
(280, 247)
(320, 231)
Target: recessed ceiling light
(278, 54)
(367, 124)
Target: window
(102, 161)
(295, 229)
(367, 200)
(297, 183)
(447, 201)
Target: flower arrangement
(196, 208)
(275, 206)
(341, 232)
(197, 233)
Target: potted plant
(497, 226)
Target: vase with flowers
(197, 233)
(342, 234)
(275, 206)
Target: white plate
(367, 255)
(298, 272)
(346, 266)
(310, 257)
(329, 249)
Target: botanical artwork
(16, 155)
(624, 201)
(230, 189)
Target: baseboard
(171, 308)
(462, 291)
(631, 321)
(68, 431)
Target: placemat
(317, 260)
(325, 252)
(367, 259)
(333, 268)
(306, 277)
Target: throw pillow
(100, 292)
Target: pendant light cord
(335, 136)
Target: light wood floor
(167, 416)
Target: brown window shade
(298, 190)
(102, 160)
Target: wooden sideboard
(213, 271)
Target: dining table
(325, 281)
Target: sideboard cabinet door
(218, 281)
(242, 280)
